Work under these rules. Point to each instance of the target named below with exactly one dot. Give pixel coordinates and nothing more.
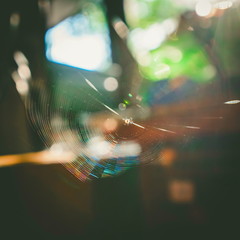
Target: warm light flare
(43, 157)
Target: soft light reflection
(22, 87)
(162, 71)
(203, 8)
(110, 84)
(224, 5)
(149, 38)
(170, 25)
(174, 54)
(99, 148)
(21, 84)
(232, 102)
(121, 28)
(24, 71)
(143, 58)
(190, 29)
(181, 191)
(58, 148)
(134, 9)
(88, 52)
(192, 127)
(20, 58)
(15, 20)
(114, 70)
(122, 106)
(127, 149)
(110, 124)
(153, 36)
(167, 156)
(210, 71)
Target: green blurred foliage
(142, 13)
(183, 56)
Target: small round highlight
(110, 125)
(110, 84)
(122, 106)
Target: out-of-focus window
(81, 40)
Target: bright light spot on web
(128, 148)
(97, 147)
(163, 70)
(232, 102)
(127, 121)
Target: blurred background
(119, 119)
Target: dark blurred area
(190, 187)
